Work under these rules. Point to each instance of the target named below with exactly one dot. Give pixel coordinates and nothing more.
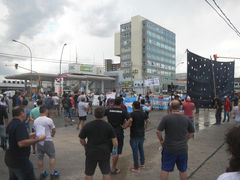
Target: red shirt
(73, 102)
(188, 109)
(227, 105)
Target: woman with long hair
(233, 142)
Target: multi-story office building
(110, 66)
(146, 51)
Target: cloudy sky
(88, 26)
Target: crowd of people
(100, 139)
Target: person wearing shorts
(178, 129)
(117, 117)
(67, 105)
(98, 132)
(45, 126)
(83, 108)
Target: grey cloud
(27, 17)
(102, 20)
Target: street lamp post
(60, 68)
(30, 57)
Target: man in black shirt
(218, 106)
(116, 117)
(17, 155)
(138, 125)
(67, 106)
(97, 147)
(3, 117)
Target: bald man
(178, 129)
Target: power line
(7, 55)
(222, 17)
(226, 16)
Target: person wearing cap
(227, 108)
(188, 108)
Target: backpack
(66, 103)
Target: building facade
(110, 66)
(146, 51)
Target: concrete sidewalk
(70, 154)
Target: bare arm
(147, 123)
(128, 123)
(28, 142)
(27, 121)
(6, 122)
(83, 143)
(87, 108)
(159, 135)
(53, 132)
(190, 135)
(115, 142)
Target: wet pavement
(207, 156)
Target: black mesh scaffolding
(205, 76)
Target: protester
(67, 105)
(235, 100)
(233, 142)
(17, 155)
(14, 99)
(138, 125)
(3, 125)
(27, 119)
(56, 104)
(218, 107)
(236, 112)
(49, 103)
(45, 126)
(83, 108)
(34, 114)
(178, 129)
(90, 100)
(81, 95)
(101, 99)
(6, 101)
(227, 108)
(76, 103)
(146, 108)
(188, 108)
(116, 117)
(97, 147)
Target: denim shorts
(169, 161)
(68, 113)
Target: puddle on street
(205, 118)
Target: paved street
(207, 156)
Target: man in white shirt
(44, 125)
(56, 99)
(83, 107)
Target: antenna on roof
(76, 55)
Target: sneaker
(77, 128)
(43, 175)
(116, 171)
(143, 166)
(133, 169)
(71, 124)
(65, 125)
(55, 174)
